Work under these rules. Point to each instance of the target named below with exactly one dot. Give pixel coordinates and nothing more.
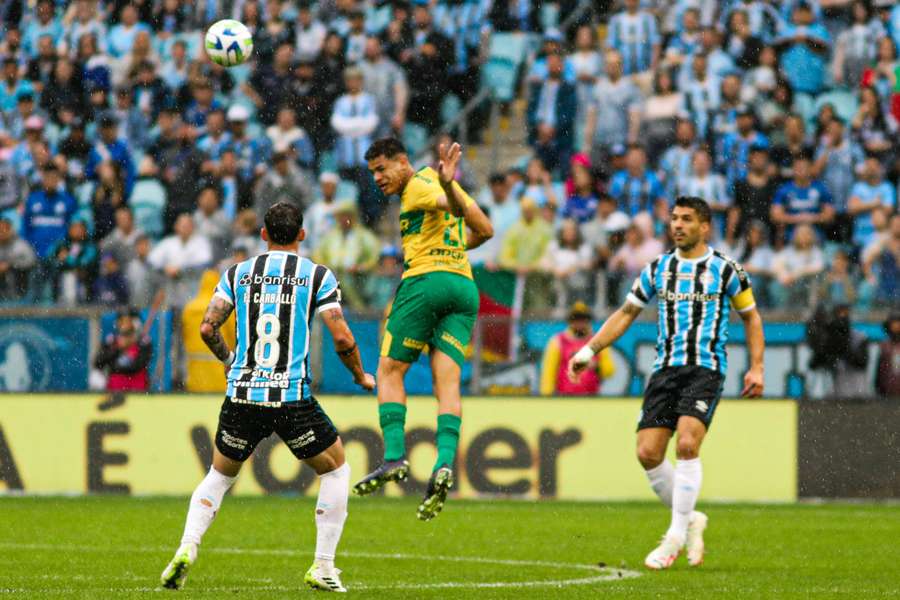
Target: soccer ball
(228, 42)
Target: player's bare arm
(217, 313)
(756, 345)
(613, 328)
(346, 348)
(478, 223)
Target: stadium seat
(500, 75)
(805, 106)
(509, 46)
(83, 193)
(241, 74)
(843, 101)
(377, 19)
(347, 190)
(450, 108)
(148, 199)
(415, 137)
(549, 16)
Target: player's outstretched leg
(205, 502)
(652, 443)
(392, 418)
(331, 512)
(686, 489)
(446, 374)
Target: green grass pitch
(115, 547)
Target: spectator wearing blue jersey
(121, 37)
(552, 108)
(12, 85)
(686, 42)
(837, 158)
(637, 189)
(675, 162)
(110, 146)
(355, 119)
(709, 185)
(216, 138)
(47, 212)
(802, 201)
(201, 104)
(134, 126)
(702, 95)
(43, 24)
(73, 263)
(251, 152)
(763, 19)
(734, 151)
(891, 18)
(719, 62)
(552, 44)
(869, 194)
(804, 46)
(633, 32)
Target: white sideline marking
(602, 573)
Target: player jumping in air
(435, 307)
(694, 286)
(275, 296)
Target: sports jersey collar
(678, 255)
(281, 252)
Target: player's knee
(649, 456)
(687, 447)
(388, 368)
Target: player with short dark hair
(434, 309)
(274, 297)
(694, 286)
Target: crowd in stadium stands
(130, 163)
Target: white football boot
(665, 554)
(694, 544)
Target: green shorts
(435, 309)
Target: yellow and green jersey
(433, 239)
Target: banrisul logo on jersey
(248, 279)
(691, 297)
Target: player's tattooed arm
(346, 348)
(217, 313)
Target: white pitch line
(603, 573)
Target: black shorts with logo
(678, 391)
(303, 426)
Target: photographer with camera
(125, 355)
(839, 358)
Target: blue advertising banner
(786, 359)
(337, 380)
(44, 354)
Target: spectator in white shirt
(181, 257)
(795, 269)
